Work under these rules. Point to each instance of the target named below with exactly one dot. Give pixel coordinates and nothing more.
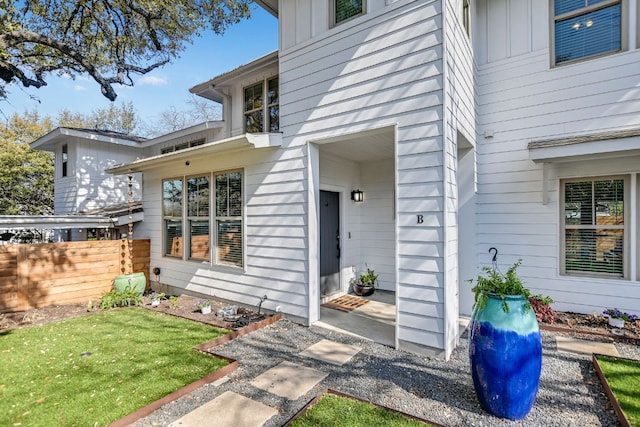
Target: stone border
(315, 400)
(622, 418)
(207, 379)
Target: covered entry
(355, 235)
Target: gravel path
(570, 393)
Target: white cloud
(152, 81)
(79, 88)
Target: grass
(623, 376)
(334, 410)
(48, 377)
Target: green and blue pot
(505, 350)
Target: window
(172, 216)
(594, 226)
(228, 208)
(586, 28)
(228, 218)
(65, 159)
(343, 10)
(182, 146)
(253, 111)
(272, 105)
(198, 217)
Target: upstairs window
(253, 111)
(65, 160)
(344, 10)
(272, 105)
(586, 28)
(256, 110)
(594, 226)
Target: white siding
(460, 121)
(521, 99)
(97, 189)
(275, 242)
(383, 69)
(508, 28)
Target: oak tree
(109, 40)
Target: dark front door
(329, 242)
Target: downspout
(226, 109)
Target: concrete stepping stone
(575, 345)
(331, 352)
(289, 380)
(228, 410)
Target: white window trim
(165, 217)
(266, 117)
(213, 231)
(627, 229)
(624, 29)
(189, 219)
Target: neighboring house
(82, 188)
(465, 126)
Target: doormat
(346, 303)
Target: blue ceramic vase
(505, 350)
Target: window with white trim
(196, 199)
(586, 28)
(198, 218)
(65, 160)
(228, 218)
(172, 217)
(261, 116)
(344, 10)
(594, 226)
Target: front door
(329, 242)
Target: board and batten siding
(522, 100)
(382, 69)
(274, 226)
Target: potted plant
(155, 301)
(365, 283)
(204, 306)
(505, 347)
(617, 317)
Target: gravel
(570, 393)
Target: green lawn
(136, 357)
(334, 410)
(623, 376)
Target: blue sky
(158, 90)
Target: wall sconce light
(357, 196)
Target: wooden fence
(41, 275)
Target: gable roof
(270, 6)
(49, 141)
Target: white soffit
(585, 147)
(236, 143)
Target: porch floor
(375, 321)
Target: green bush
(113, 299)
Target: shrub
(113, 298)
(544, 312)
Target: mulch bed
(594, 327)
(185, 306)
(586, 326)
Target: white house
(465, 126)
